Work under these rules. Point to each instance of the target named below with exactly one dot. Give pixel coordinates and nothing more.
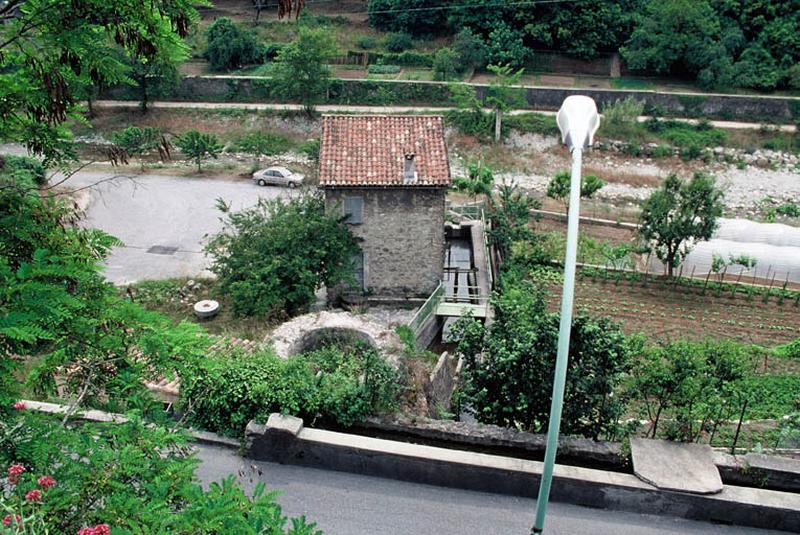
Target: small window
(353, 210)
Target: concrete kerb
(284, 439)
(203, 437)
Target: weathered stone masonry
(403, 238)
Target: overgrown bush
(272, 257)
(23, 168)
(623, 111)
(446, 64)
(398, 42)
(230, 46)
(343, 387)
(511, 385)
(310, 148)
(260, 144)
(366, 42)
(470, 48)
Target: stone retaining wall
(400, 92)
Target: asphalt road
(349, 504)
(153, 210)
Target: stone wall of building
(403, 238)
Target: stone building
(389, 176)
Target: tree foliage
(512, 384)
(417, 17)
(52, 51)
(301, 72)
(230, 46)
(198, 146)
(699, 385)
(559, 185)
(726, 43)
(260, 144)
(271, 258)
(135, 141)
(55, 303)
(679, 214)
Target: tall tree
(50, 50)
(679, 214)
(301, 72)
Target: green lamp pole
(578, 121)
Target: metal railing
(427, 308)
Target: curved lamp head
(578, 120)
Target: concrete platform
(676, 466)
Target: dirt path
(329, 108)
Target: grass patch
(175, 299)
(773, 396)
(631, 83)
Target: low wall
(283, 439)
(401, 92)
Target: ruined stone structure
(389, 176)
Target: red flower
(19, 405)
(99, 529)
(46, 482)
(15, 471)
(8, 518)
(33, 496)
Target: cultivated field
(663, 311)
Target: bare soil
(663, 311)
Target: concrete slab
(676, 466)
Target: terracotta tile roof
(371, 150)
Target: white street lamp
(578, 121)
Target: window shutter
(353, 208)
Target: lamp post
(578, 121)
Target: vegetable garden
(664, 309)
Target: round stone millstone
(206, 308)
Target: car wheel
(292, 185)
(262, 182)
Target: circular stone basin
(320, 329)
(206, 308)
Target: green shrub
(535, 123)
(270, 258)
(623, 112)
(446, 64)
(398, 42)
(470, 48)
(310, 148)
(343, 387)
(472, 123)
(383, 69)
(366, 42)
(271, 50)
(262, 144)
(230, 46)
(409, 58)
(661, 151)
(26, 168)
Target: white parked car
(279, 176)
